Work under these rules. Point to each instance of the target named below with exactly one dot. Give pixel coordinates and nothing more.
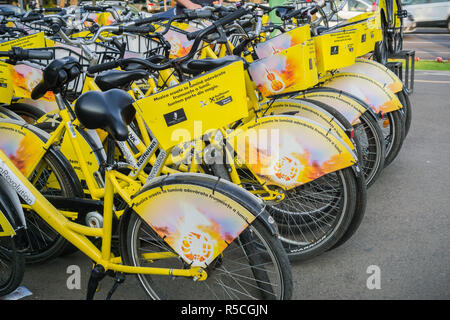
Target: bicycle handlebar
(17, 53)
(95, 8)
(152, 66)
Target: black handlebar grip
(40, 54)
(103, 66)
(204, 14)
(134, 29)
(197, 14)
(30, 18)
(147, 20)
(193, 35)
(51, 9)
(230, 17)
(220, 22)
(95, 8)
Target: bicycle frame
(77, 234)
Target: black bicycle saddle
(58, 73)
(113, 79)
(282, 11)
(208, 64)
(111, 111)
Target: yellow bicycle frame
(77, 234)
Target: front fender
(350, 108)
(305, 109)
(370, 91)
(288, 151)
(377, 71)
(184, 206)
(21, 145)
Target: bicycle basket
(335, 50)
(283, 41)
(185, 112)
(368, 26)
(145, 45)
(290, 70)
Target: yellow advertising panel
(290, 70)
(6, 88)
(335, 50)
(36, 40)
(283, 41)
(20, 145)
(369, 28)
(198, 233)
(288, 151)
(186, 111)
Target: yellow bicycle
(182, 226)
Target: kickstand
(118, 279)
(97, 274)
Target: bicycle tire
(407, 109)
(12, 265)
(381, 52)
(299, 223)
(362, 184)
(136, 235)
(156, 290)
(45, 242)
(394, 133)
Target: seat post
(110, 151)
(60, 101)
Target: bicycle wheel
(407, 109)
(313, 217)
(51, 178)
(249, 268)
(393, 131)
(372, 145)
(381, 52)
(12, 265)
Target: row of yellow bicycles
(202, 153)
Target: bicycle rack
(406, 75)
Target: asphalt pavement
(429, 43)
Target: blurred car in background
(354, 7)
(429, 13)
